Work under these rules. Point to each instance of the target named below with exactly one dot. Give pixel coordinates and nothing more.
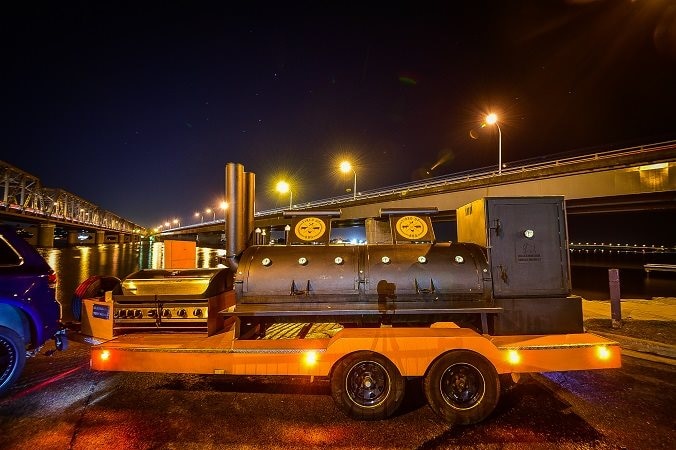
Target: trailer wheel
(12, 358)
(367, 386)
(462, 387)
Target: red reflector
(52, 280)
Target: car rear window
(8, 257)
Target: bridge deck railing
(522, 166)
(477, 174)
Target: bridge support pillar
(46, 235)
(72, 237)
(100, 237)
(120, 238)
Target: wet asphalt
(59, 403)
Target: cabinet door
(527, 248)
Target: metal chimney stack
(239, 193)
(249, 206)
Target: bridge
(630, 179)
(25, 200)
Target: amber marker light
(104, 355)
(310, 358)
(513, 357)
(603, 353)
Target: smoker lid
(147, 274)
(199, 283)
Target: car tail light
(52, 280)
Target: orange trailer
(367, 366)
(461, 315)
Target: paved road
(61, 404)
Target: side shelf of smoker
(365, 313)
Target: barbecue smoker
(461, 317)
(507, 275)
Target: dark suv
(29, 312)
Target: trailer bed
(411, 350)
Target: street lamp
(209, 211)
(223, 206)
(283, 187)
(201, 216)
(346, 167)
(492, 119)
(177, 222)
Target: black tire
(12, 358)
(367, 386)
(462, 387)
(94, 286)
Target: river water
(589, 271)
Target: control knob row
(130, 314)
(152, 313)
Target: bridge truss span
(23, 197)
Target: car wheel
(12, 358)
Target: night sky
(137, 107)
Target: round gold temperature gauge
(310, 228)
(411, 227)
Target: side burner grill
(180, 300)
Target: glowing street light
(492, 119)
(209, 211)
(201, 216)
(283, 187)
(177, 222)
(223, 206)
(346, 167)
